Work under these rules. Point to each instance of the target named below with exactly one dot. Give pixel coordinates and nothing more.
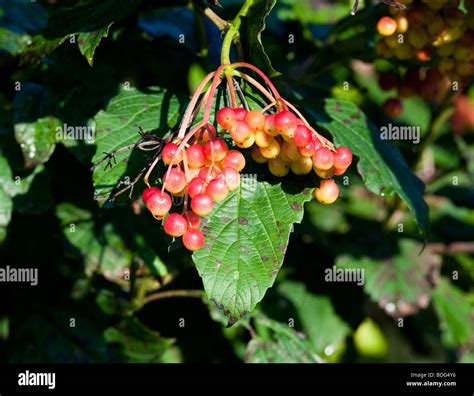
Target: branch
(216, 19)
(392, 3)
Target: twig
(172, 293)
(208, 12)
(392, 3)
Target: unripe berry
(302, 167)
(402, 23)
(247, 143)
(234, 159)
(310, 149)
(255, 120)
(325, 174)
(193, 219)
(196, 186)
(193, 240)
(271, 151)
(285, 123)
(262, 139)
(240, 131)
(327, 192)
(195, 156)
(302, 136)
(240, 113)
(269, 127)
(157, 202)
(175, 181)
(386, 26)
(217, 148)
(257, 156)
(231, 177)
(392, 107)
(278, 167)
(202, 204)
(175, 225)
(168, 154)
(342, 158)
(226, 117)
(323, 158)
(289, 152)
(217, 189)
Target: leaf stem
(172, 293)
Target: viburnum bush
(295, 170)
(202, 168)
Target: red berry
(217, 148)
(285, 123)
(339, 172)
(323, 158)
(175, 181)
(240, 131)
(169, 154)
(386, 26)
(234, 159)
(202, 204)
(388, 81)
(193, 219)
(302, 136)
(327, 192)
(342, 158)
(269, 126)
(217, 189)
(392, 107)
(157, 202)
(226, 117)
(255, 120)
(231, 177)
(240, 113)
(175, 225)
(196, 186)
(195, 156)
(204, 173)
(423, 54)
(310, 149)
(148, 192)
(193, 240)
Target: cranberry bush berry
(263, 164)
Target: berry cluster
(203, 169)
(284, 142)
(439, 36)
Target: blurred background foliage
(109, 287)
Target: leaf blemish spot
(296, 206)
(243, 221)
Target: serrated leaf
(135, 343)
(156, 110)
(251, 35)
(380, 164)
(402, 284)
(320, 323)
(89, 41)
(246, 239)
(284, 346)
(100, 247)
(456, 314)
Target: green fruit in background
(195, 75)
(351, 95)
(369, 340)
(336, 355)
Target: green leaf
(316, 316)
(247, 235)
(455, 312)
(381, 164)
(100, 247)
(401, 284)
(135, 343)
(13, 42)
(156, 110)
(89, 41)
(37, 139)
(251, 34)
(7, 190)
(284, 346)
(88, 16)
